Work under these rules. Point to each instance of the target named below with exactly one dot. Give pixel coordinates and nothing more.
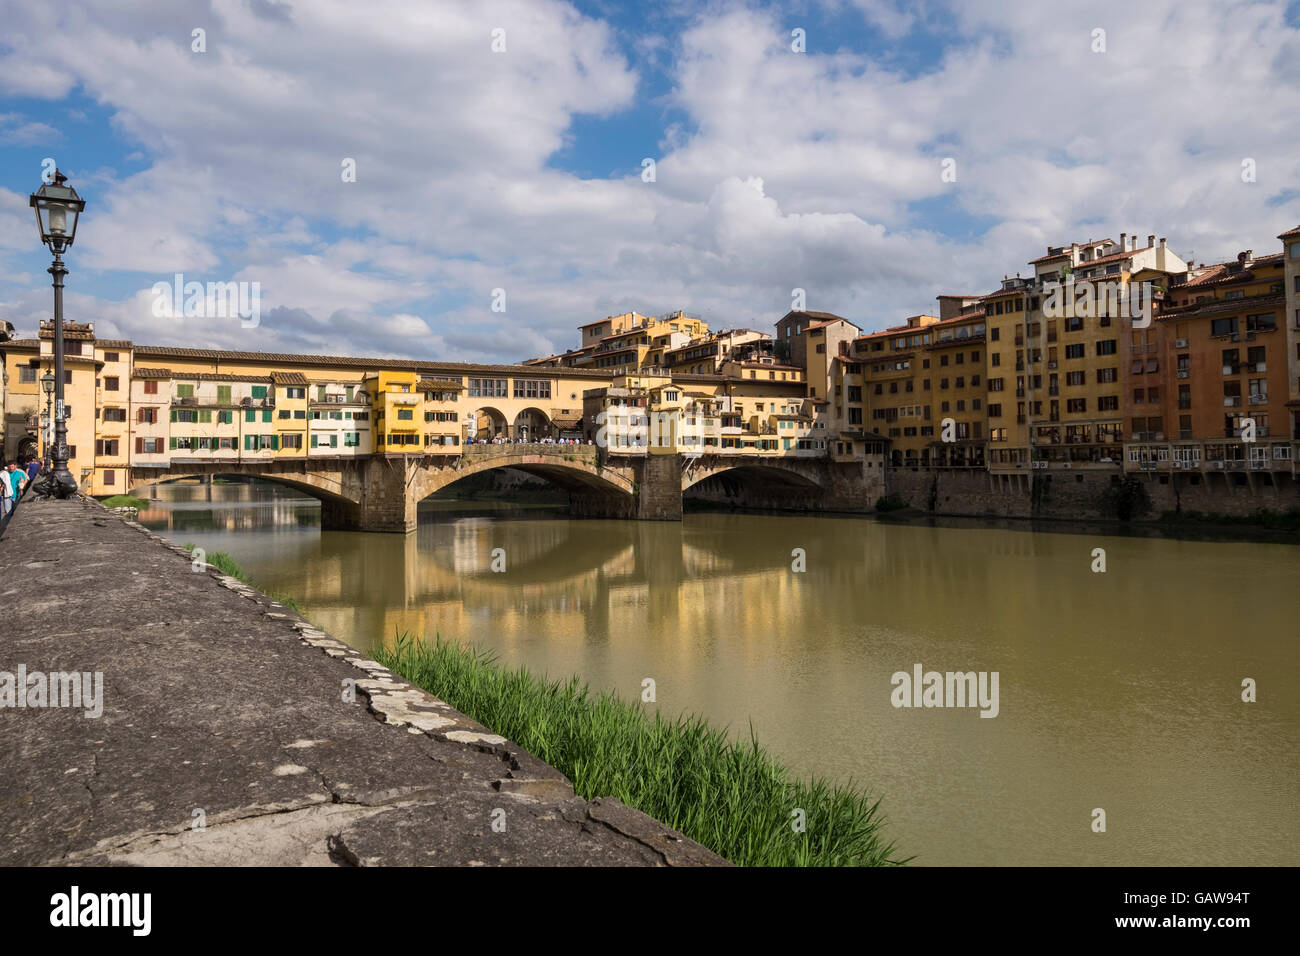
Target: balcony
(1184, 405)
(1184, 373)
(1259, 399)
(1052, 366)
(1231, 401)
(1180, 343)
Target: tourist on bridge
(33, 469)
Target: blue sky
(520, 170)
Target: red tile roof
(1253, 303)
(289, 378)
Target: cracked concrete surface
(226, 737)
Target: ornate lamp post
(57, 209)
(47, 383)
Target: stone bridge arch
(577, 473)
(325, 486)
(789, 473)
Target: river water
(1119, 691)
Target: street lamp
(47, 383)
(57, 209)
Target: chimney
(1123, 242)
(1151, 241)
(1161, 253)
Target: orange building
(1221, 333)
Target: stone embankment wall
(1092, 494)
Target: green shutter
(266, 415)
(171, 443)
(275, 442)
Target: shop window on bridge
(489, 388)
(527, 388)
(406, 414)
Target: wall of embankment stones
(1092, 494)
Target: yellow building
(898, 387)
(290, 392)
(443, 428)
(399, 413)
(629, 341)
(80, 370)
(24, 402)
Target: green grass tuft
(124, 501)
(224, 563)
(730, 796)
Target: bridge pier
(376, 496)
(657, 495)
(659, 488)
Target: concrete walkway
(225, 738)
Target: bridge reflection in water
(1094, 667)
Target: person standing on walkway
(6, 493)
(33, 469)
(17, 480)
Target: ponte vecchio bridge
(382, 492)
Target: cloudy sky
(523, 169)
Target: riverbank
(728, 795)
(218, 727)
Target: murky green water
(1120, 691)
